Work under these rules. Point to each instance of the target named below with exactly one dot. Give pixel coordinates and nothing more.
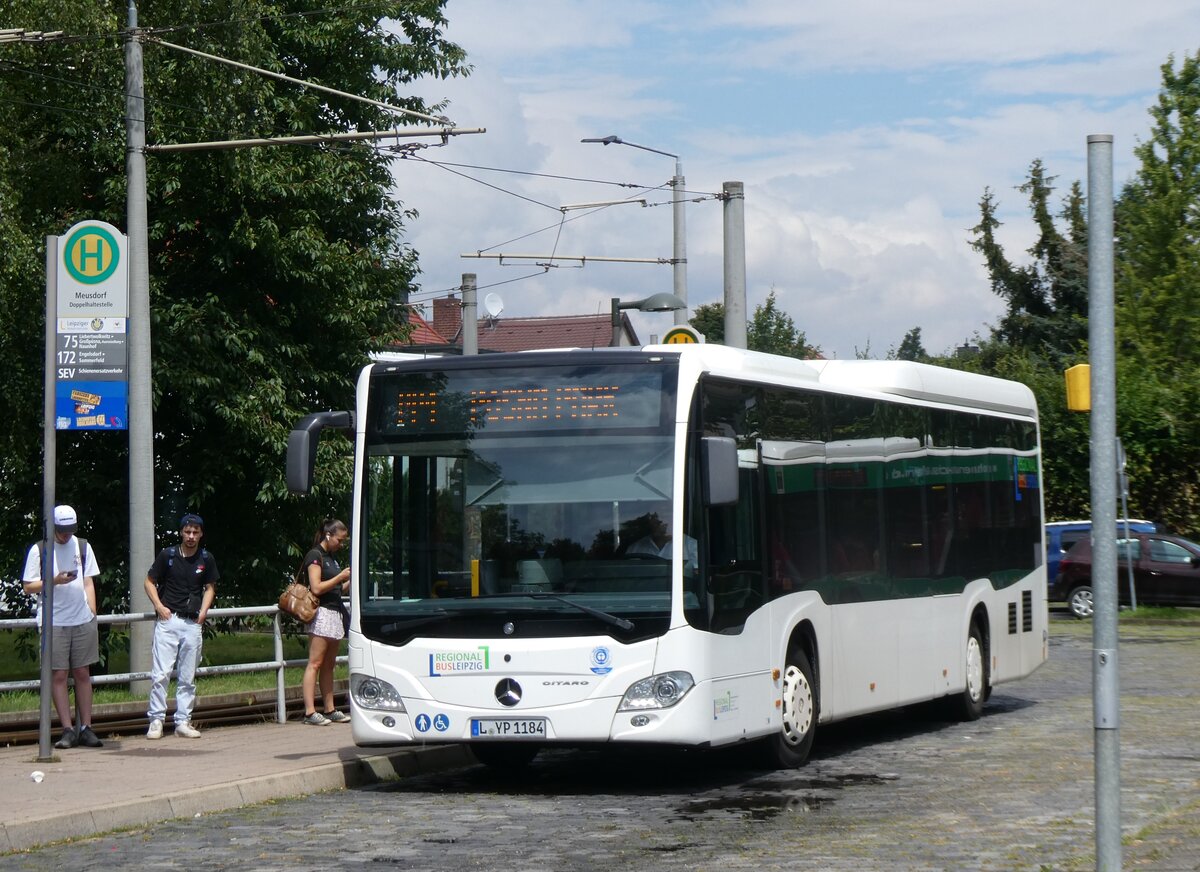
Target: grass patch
(1173, 614)
(220, 649)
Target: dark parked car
(1061, 535)
(1166, 572)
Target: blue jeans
(176, 644)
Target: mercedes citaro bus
(681, 545)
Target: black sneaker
(67, 740)
(89, 738)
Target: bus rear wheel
(789, 748)
(505, 755)
(968, 705)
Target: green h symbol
(97, 254)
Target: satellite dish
(493, 305)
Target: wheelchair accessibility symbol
(441, 723)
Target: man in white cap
(75, 639)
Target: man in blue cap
(181, 585)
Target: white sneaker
(187, 731)
(155, 731)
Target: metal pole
(1105, 683)
(49, 465)
(679, 255)
(470, 323)
(734, 197)
(141, 426)
(616, 323)
(1123, 490)
(280, 683)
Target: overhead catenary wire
(436, 119)
(149, 35)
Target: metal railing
(278, 664)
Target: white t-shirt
(70, 602)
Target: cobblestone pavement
(903, 790)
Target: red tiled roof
(423, 333)
(554, 331)
(515, 334)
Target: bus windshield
(510, 488)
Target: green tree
(709, 320)
(1158, 227)
(1046, 298)
(769, 329)
(911, 347)
(1157, 298)
(1157, 269)
(274, 271)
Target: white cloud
(859, 191)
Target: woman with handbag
(328, 582)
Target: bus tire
(788, 748)
(505, 755)
(968, 705)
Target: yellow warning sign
(681, 336)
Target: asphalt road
(902, 790)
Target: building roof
(423, 332)
(554, 331)
(444, 334)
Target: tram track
(124, 719)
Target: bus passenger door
(736, 594)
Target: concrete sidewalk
(132, 781)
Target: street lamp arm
(616, 140)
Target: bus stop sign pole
(49, 464)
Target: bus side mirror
(719, 470)
(302, 446)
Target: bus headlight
(371, 693)
(657, 692)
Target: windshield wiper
(397, 628)
(587, 610)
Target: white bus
(681, 545)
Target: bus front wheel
(789, 747)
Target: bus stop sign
(681, 336)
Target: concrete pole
(1105, 685)
(141, 424)
(49, 466)
(679, 256)
(734, 197)
(470, 323)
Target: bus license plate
(508, 728)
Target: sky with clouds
(865, 133)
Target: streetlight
(662, 302)
(679, 255)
